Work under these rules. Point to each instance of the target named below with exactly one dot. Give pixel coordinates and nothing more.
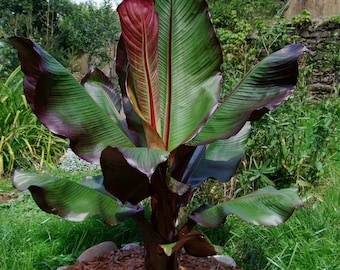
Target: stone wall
(323, 38)
(317, 8)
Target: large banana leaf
(189, 58)
(218, 159)
(139, 24)
(173, 77)
(71, 200)
(265, 87)
(127, 171)
(195, 243)
(267, 206)
(65, 107)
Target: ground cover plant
(152, 137)
(24, 141)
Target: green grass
(32, 239)
(24, 141)
(308, 240)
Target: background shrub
(24, 141)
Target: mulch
(133, 259)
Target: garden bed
(133, 259)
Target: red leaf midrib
(148, 77)
(169, 83)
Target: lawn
(32, 239)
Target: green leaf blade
(265, 87)
(220, 159)
(64, 106)
(144, 159)
(71, 200)
(189, 60)
(267, 206)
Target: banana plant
(161, 132)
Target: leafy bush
(8, 61)
(248, 32)
(292, 145)
(302, 20)
(282, 148)
(25, 142)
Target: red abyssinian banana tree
(163, 134)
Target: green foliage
(64, 28)
(309, 240)
(302, 20)
(248, 32)
(237, 52)
(293, 145)
(251, 11)
(25, 142)
(79, 32)
(45, 241)
(334, 19)
(8, 61)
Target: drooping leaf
(104, 93)
(122, 65)
(64, 106)
(139, 24)
(71, 200)
(121, 179)
(267, 206)
(97, 183)
(218, 160)
(195, 243)
(180, 158)
(189, 58)
(144, 159)
(265, 87)
(178, 187)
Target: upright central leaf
(189, 59)
(140, 33)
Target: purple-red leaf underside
(64, 106)
(139, 25)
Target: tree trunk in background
(317, 8)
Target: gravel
(72, 163)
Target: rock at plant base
(132, 258)
(129, 246)
(97, 251)
(225, 261)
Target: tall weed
(24, 142)
(294, 144)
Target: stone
(225, 261)
(305, 34)
(97, 251)
(129, 246)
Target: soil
(133, 259)
(8, 197)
